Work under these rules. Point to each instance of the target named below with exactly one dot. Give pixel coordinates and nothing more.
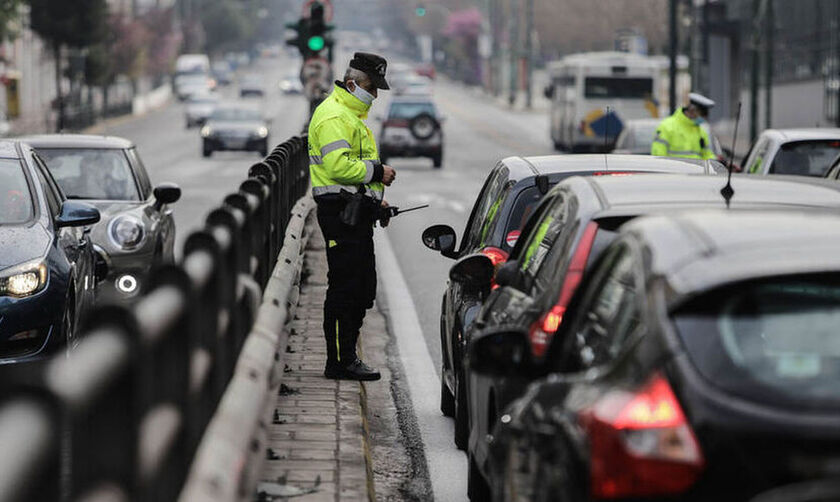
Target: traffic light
(299, 40)
(318, 37)
(420, 11)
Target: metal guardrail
(120, 417)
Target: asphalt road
(479, 131)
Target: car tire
(263, 151)
(437, 161)
(477, 488)
(206, 152)
(423, 126)
(462, 421)
(447, 399)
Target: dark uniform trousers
(351, 280)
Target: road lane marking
(447, 466)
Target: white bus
(593, 93)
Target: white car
(200, 107)
(805, 152)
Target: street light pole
(672, 55)
(529, 49)
(514, 50)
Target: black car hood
(19, 244)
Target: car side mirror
(506, 274)
(166, 193)
(76, 214)
(441, 238)
(501, 351)
(475, 271)
(548, 91)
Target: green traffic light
(420, 11)
(315, 43)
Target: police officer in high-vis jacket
(348, 183)
(683, 134)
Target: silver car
(199, 108)
(805, 152)
(137, 229)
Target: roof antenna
(607, 137)
(727, 191)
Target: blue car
(48, 272)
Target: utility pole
(770, 28)
(529, 49)
(514, 50)
(672, 55)
(836, 64)
(754, 67)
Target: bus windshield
(618, 88)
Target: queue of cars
(612, 333)
(80, 223)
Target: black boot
(357, 370)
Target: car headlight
(23, 280)
(206, 131)
(262, 132)
(126, 232)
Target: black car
(412, 128)
(573, 224)
(137, 230)
(699, 361)
(47, 271)
(510, 194)
(235, 127)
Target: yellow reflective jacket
(679, 136)
(342, 149)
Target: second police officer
(683, 134)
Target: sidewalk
(319, 447)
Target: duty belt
(336, 189)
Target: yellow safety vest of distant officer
(682, 134)
(348, 182)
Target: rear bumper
(404, 150)
(235, 144)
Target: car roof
(750, 191)
(76, 141)
(803, 134)
(412, 98)
(550, 164)
(695, 251)
(8, 149)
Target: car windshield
(806, 158)
(193, 79)
(410, 110)
(771, 340)
(15, 198)
(236, 115)
(91, 173)
(643, 134)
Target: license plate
(235, 143)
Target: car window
(487, 208)
(543, 237)
(805, 158)
(609, 313)
(757, 156)
(141, 173)
(51, 193)
(16, 205)
(525, 204)
(769, 340)
(92, 173)
(410, 110)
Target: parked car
(569, 230)
(199, 107)
(412, 128)
(637, 137)
(137, 230)
(47, 268)
(804, 152)
(698, 362)
(251, 85)
(509, 196)
(235, 127)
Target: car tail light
(497, 257)
(512, 237)
(612, 173)
(641, 444)
(544, 328)
(396, 123)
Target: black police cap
(373, 66)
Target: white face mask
(363, 96)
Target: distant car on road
(190, 84)
(222, 73)
(412, 128)
(697, 362)
(637, 136)
(290, 84)
(414, 85)
(47, 265)
(199, 108)
(137, 230)
(251, 85)
(804, 152)
(235, 127)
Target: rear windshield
(770, 340)
(410, 110)
(806, 158)
(92, 173)
(15, 198)
(609, 87)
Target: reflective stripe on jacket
(679, 136)
(342, 149)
